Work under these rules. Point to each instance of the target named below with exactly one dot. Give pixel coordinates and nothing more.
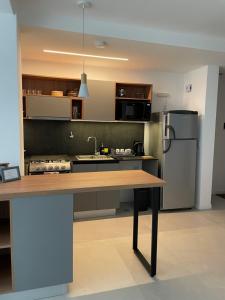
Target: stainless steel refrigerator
(173, 140)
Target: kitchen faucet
(95, 139)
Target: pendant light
(83, 92)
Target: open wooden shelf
(5, 271)
(5, 248)
(70, 97)
(5, 234)
(48, 84)
(134, 91)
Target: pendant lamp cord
(83, 36)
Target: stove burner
(45, 166)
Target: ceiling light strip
(85, 55)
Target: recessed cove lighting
(85, 55)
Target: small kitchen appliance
(138, 148)
(133, 110)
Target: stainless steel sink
(94, 157)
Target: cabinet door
(108, 199)
(128, 195)
(48, 107)
(131, 165)
(84, 201)
(79, 168)
(151, 166)
(107, 167)
(101, 103)
(42, 241)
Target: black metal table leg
(151, 268)
(155, 208)
(135, 224)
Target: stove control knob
(37, 169)
(50, 168)
(56, 168)
(63, 167)
(44, 168)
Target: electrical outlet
(188, 88)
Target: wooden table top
(77, 183)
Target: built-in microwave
(133, 110)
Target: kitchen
(81, 126)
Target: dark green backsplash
(52, 137)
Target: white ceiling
(142, 56)
(193, 16)
(172, 35)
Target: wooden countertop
(77, 183)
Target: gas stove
(49, 166)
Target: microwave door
(130, 111)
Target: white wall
(171, 83)
(219, 161)
(10, 101)
(203, 98)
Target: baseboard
(36, 294)
(94, 213)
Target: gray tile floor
(191, 258)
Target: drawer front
(131, 165)
(79, 168)
(108, 167)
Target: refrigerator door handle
(169, 128)
(165, 124)
(168, 147)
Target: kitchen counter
(77, 183)
(117, 159)
(144, 157)
(73, 158)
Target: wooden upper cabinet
(100, 106)
(48, 107)
(38, 102)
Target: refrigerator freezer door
(178, 170)
(185, 125)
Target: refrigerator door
(178, 170)
(183, 123)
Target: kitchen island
(40, 231)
